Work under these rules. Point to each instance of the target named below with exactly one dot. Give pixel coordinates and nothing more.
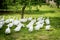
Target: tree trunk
(22, 14)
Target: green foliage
(6, 3)
(3, 4)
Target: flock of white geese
(39, 23)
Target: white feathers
(2, 19)
(1, 22)
(48, 24)
(38, 26)
(31, 23)
(18, 28)
(23, 20)
(30, 28)
(30, 18)
(47, 21)
(11, 20)
(7, 31)
(40, 23)
(7, 21)
(1, 26)
(48, 27)
(10, 25)
(40, 18)
(16, 22)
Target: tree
(28, 2)
(24, 4)
(23, 8)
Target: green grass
(42, 34)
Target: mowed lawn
(42, 34)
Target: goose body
(7, 31)
(30, 28)
(20, 24)
(7, 21)
(38, 26)
(31, 23)
(18, 28)
(47, 21)
(10, 25)
(40, 18)
(16, 22)
(47, 27)
(2, 19)
(1, 26)
(1, 22)
(30, 18)
(11, 20)
(23, 20)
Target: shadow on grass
(38, 12)
(26, 12)
(55, 22)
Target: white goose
(23, 20)
(16, 22)
(40, 21)
(40, 18)
(47, 21)
(1, 26)
(2, 19)
(7, 21)
(30, 18)
(10, 25)
(12, 19)
(1, 22)
(30, 28)
(48, 27)
(18, 28)
(7, 31)
(31, 23)
(20, 24)
(38, 26)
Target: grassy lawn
(42, 34)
